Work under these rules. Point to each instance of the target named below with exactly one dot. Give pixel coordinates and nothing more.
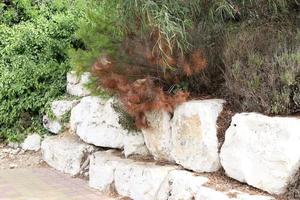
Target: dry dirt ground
(11, 158)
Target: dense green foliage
(34, 39)
(99, 33)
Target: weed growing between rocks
(126, 120)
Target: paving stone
(44, 184)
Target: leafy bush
(263, 67)
(34, 37)
(99, 33)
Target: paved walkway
(44, 184)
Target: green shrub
(99, 32)
(34, 39)
(263, 67)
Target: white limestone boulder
(206, 193)
(76, 86)
(184, 185)
(134, 179)
(59, 108)
(66, 154)
(32, 143)
(52, 125)
(262, 151)
(158, 135)
(180, 184)
(95, 121)
(140, 180)
(194, 135)
(89, 108)
(134, 144)
(62, 107)
(102, 169)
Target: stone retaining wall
(261, 151)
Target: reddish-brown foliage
(141, 84)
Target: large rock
(52, 125)
(66, 154)
(59, 108)
(134, 144)
(62, 107)
(102, 169)
(109, 172)
(194, 135)
(206, 193)
(180, 184)
(89, 121)
(140, 181)
(190, 138)
(184, 185)
(137, 180)
(76, 85)
(32, 143)
(262, 151)
(95, 121)
(158, 135)
(188, 188)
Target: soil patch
(17, 158)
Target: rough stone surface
(76, 85)
(134, 144)
(62, 107)
(95, 122)
(158, 135)
(206, 193)
(140, 181)
(137, 180)
(184, 185)
(88, 121)
(13, 145)
(59, 109)
(110, 172)
(32, 143)
(194, 135)
(102, 169)
(180, 184)
(66, 154)
(53, 126)
(262, 151)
